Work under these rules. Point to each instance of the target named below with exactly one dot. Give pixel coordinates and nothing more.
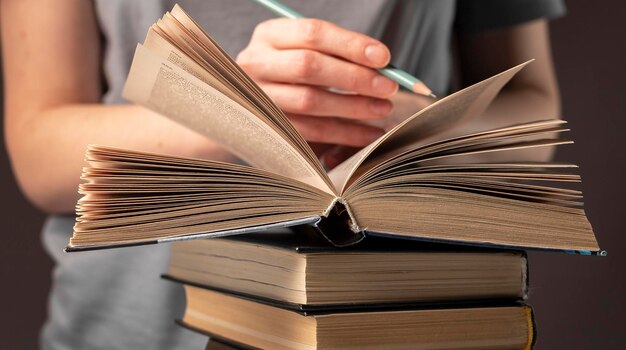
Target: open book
(410, 183)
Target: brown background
(580, 302)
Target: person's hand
(405, 104)
(296, 61)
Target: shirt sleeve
(484, 15)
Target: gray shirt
(115, 299)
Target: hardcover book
(303, 271)
(246, 323)
(413, 182)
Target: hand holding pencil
(302, 63)
(403, 78)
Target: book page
(132, 197)
(158, 45)
(165, 88)
(183, 30)
(450, 111)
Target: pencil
(403, 78)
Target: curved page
(165, 88)
(452, 110)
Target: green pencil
(403, 78)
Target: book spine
(532, 328)
(337, 227)
(525, 276)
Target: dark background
(579, 302)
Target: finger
(319, 35)
(320, 148)
(314, 68)
(309, 100)
(336, 155)
(335, 131)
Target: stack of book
(296, 291)
(420, 181)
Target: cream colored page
(212, 52)
(161, 47)
(165, 88)
(450, 111)
(165, 50)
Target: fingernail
(376, 54)
(381, 107)
(384, 85)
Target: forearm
(48, 149)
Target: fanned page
(452, 110)
(135, 198)
(434, 193)
(411, 183)
(207, 95)
(244, 85)
(169, 90)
